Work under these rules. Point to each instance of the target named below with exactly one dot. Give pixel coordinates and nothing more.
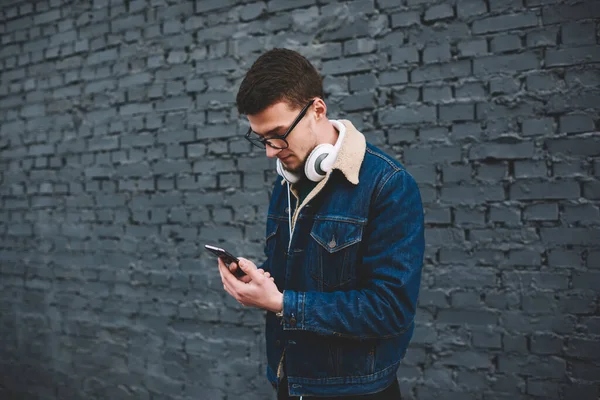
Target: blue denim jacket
(350, 275)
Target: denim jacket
(350, 274)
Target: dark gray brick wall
(121, 155)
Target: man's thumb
(244, 265)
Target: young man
(344, 243)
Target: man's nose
(271, 152)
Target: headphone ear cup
(287, 175)
(315, 169)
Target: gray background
(121, 154)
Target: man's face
(275, 121)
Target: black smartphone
(227, 258)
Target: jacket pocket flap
(334, 235)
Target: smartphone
(227, 258)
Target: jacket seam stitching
(360, 337)
(368, 376)
(385, 183)
(390, 162)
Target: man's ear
(320, 109)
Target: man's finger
(232, 292)
(232, 267)
(234, 286)
(246, 266)
(226, 275)
(220, 270)
(223, 269)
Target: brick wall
(121, 154)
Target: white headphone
(319, 161)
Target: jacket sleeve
(385, 304)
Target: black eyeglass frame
(262, 142)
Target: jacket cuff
(293, 310)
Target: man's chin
(292, 166)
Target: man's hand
(233, 267)
(256, 289)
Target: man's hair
(278, 75)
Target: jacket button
(277, 343)
(293, 321)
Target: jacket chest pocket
(334, 252)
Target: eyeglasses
(276, 142)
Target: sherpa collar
(351, 153)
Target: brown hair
(279, 74)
